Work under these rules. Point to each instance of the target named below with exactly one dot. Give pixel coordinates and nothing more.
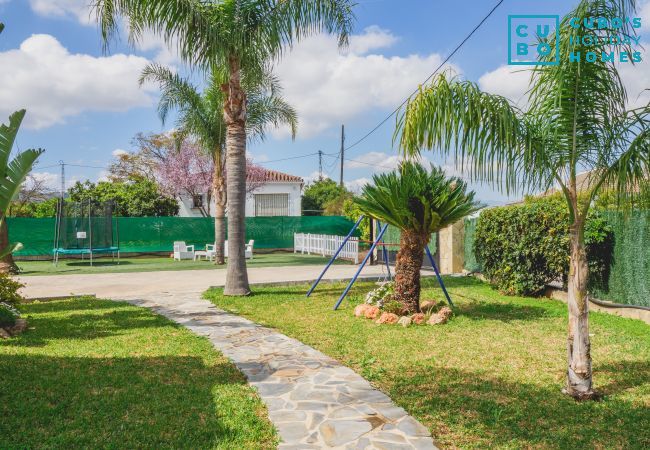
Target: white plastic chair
(211, 250)
(248, 249)
(182, 251)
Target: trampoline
(86, 228)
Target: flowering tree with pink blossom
(201, 118)
(186, 171)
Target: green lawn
(99, 374)
(489, 378)
(151, 264)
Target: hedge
(629, 278)
(521, 248)
(471, 264)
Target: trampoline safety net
(84, 227)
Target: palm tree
(201, 116)
(576, 120)
(12, 175)
(419, 203)
(243, 37)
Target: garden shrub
(521, 248)
(8, 315)
(9, 290)
(383, 294)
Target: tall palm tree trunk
(235, 115)
(579, 383)
(407, 269)
(219, 188)
(7, 264)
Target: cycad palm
(419, 203)
(243, 37)
(201, 117)
(577, 120)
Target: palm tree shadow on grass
(88, 321)
(138, 401)
(505, 312)
(524, 415)
(82, 402)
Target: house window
(197, 201)
(271, 205)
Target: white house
(279, 195)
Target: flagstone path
(313, 401)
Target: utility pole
(62, 179)
(342, 152)
(320, 165)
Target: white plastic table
(207, 255)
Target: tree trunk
(219, 215)
(407, 270)
(235, 115)
(579, 384)
(7, 264)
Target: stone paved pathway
(313, 401)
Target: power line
(458, 47)
(289, 158)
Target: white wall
(293, 189)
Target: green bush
(9, 290)
(352, 211)
(521, 248)
(8, 315)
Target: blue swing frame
(379, 238)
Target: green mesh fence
(629, 279)
(392, 236)
(471, 263)
(157, 234)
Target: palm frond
(8, 135)
(269, 110)
(15, 174)
(187, 24)
(413, 198)
(489, 138)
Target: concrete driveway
(114, 285)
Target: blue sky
(83, 104)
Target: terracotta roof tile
(275, 176)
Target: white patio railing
(326, 245)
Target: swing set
(378, 242)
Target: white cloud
(83, 12)
(512, 83)
(328, 87)
(48, 179)
(78, 9)
(507, 81)
(54, 84)
(375, 161)
(379, 162)
(357, 184)
(636, 78)
(119, 152)
(644, 14)
(103, 176)
(373, 38)
(312, 177)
